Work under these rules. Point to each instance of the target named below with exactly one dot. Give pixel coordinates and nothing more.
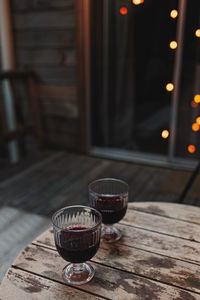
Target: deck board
(59, 179)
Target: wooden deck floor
(29, 198)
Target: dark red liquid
(111, 208)
(77, 247)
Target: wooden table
(157, 258)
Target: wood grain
(177, 211)
(143, 263)
(46, 43)
(57, 91)
(56, 75)
(163, 225)
(108, 282)
(46, 57)
(26, 5)
(61, 108)
(22, 285)
(61, 19)
(149, 241)
(44, 38)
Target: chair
(26, 111)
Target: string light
(165, 134)
(198, 120)
(191, 148)
(193, 104)
(123, 10)
(137, 2)
(197, 33)
(169, 87)
(195, 127)
(173, 13)
(173, 44)
(197, 98)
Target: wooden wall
(45, 41)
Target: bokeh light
(173, 44)
(165, 134)
(197, 33)
(137, 2)
(197, 98)
(123, 10)
(193, 104)
(173, 13)
(195, 127)
(169, 87)
(191, 148)
(198, 120)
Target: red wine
(77, 247)
(112, 209)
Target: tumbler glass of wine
(110, 197)
(77, 233)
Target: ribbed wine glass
(77, 232)
(110, 197)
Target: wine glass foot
(110, 234)
(78, 274)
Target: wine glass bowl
(110, 197)
(77, 232)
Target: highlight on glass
(110, 197)
(77, 232)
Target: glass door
(145, 90)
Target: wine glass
(110, 197)
(77, 232)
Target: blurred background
(117, 78)
(90, 89)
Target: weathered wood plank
(63, 19)
(63, 140)
(159, 224)
(56, 75)
(108, 282)
(57, 92)
(53, 186)
(22, 285)
(46, 57)
(146, 240)
(67, 108)
(159, 186)
(24, 5)
(177, 211)
(45, 38)
(55, 124)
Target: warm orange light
(137, 2)
(165, 134)
(169, 87)
(173, 44)
(198, 120)
(193, 104)
(191, 148)
(197, 98)
(173, 13)
(123, 10)
(195, 127)
(197, 33)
